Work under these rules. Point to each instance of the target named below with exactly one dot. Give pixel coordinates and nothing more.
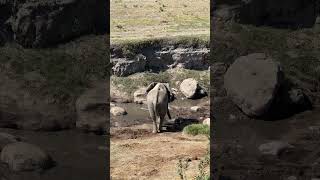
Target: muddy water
(78, 156)
(138, 113)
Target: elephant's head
(170, 94)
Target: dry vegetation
(134, 20)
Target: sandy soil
(154, 156)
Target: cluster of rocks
(287, 13)
(159, 59)
(44, 23)
(22, 156)
(256, 84)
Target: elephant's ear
(151, 86)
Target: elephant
(158, 97)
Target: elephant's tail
(156, 100)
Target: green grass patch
(197, 129)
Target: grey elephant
(158, 97)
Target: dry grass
(148, 19)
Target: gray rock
(61, 20)
(125, 67)
(139, 96)
(195, 108)
(252, 82)
(191, 89)
(21, 156)
(274, 147)
(206, 121)
(91, 109)
(118, 111)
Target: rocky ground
(264, 126)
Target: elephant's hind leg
(161, 124)
(154, 119)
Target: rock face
(191, 89)
(125, 67)
(252, 82)
(159, 59)
(191, 59)
(139, 96)
(21, 156)
(92, 108)
(48, 22)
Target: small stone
(206, 121)
(118, 111)
(195, 108)
(274, 147)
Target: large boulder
(252, 82)
(48, 22)
(125, 67)
(91, 107)
(191, 89)
(140, 96)
(22, 156)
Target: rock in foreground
(25, 157)
(252, 82)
